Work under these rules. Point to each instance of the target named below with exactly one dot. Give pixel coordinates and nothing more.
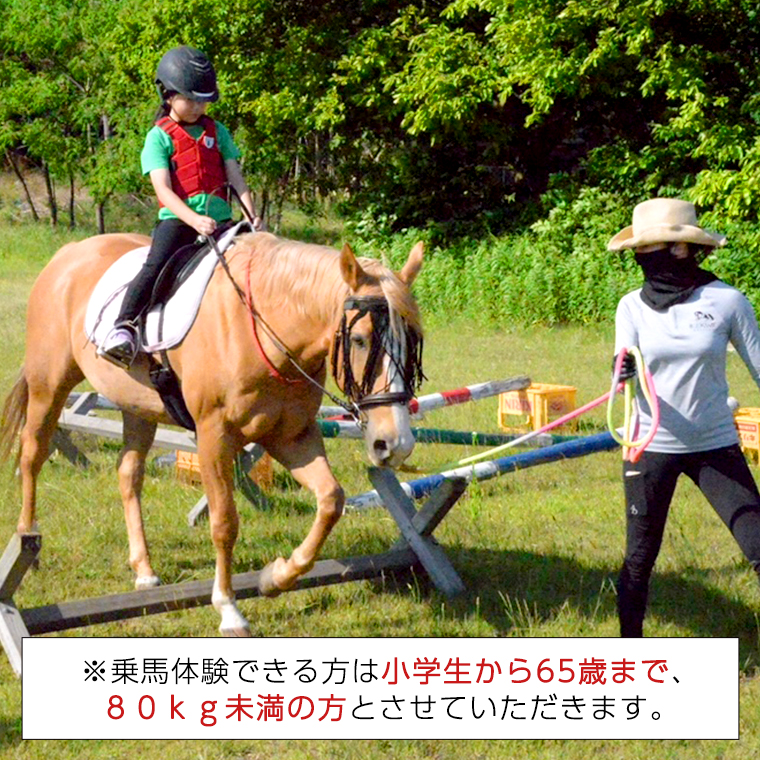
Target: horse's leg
(44, 405)
(308, 464)
(138, 438)
(216, 454)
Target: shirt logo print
(703, 320)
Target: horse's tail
(13, 415)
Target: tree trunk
(72, 205)
(17, 172)
(279, 201)
(264, 208)
(52, 202)
(100, 217)
(100, 208)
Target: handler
(682, 320)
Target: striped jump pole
(349, 429)
(344, 427)
(85, 402)
(417, 489)
(449, 398)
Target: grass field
(538, 550)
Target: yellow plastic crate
(189, 471)
(747, 421)
(536, 406)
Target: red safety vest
(196, 166)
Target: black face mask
(669, 280)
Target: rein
(255, 316)
(358, 394)
(273, 371)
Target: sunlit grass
(538, 550)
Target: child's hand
(204, 225)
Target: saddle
(171, 312)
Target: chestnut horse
(252, 368)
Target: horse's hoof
(147, 581)
(236, 633)
(266, 582)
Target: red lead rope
(273, 371)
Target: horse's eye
(359, 342)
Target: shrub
(557, 270)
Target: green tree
(53, 93)
(415, 113)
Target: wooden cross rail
(20, 554)
(417, 527)
(415, 547)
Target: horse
(252, 368)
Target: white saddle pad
(179, 313)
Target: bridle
(404, 352)
(404, 356)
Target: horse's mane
(308, 276)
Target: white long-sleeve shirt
(685, 350)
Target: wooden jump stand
(415, 547)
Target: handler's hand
(628, 369)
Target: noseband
(408, 365)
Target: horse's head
(377, 355)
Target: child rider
(191, 159)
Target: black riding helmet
(189, 72)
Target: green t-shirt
(157, 153)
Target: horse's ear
(350, 268)
(413, 264)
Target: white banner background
(361, 688)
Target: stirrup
(121, 354)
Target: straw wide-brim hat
(664, 220)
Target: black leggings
(169, 236)
(724, 478)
